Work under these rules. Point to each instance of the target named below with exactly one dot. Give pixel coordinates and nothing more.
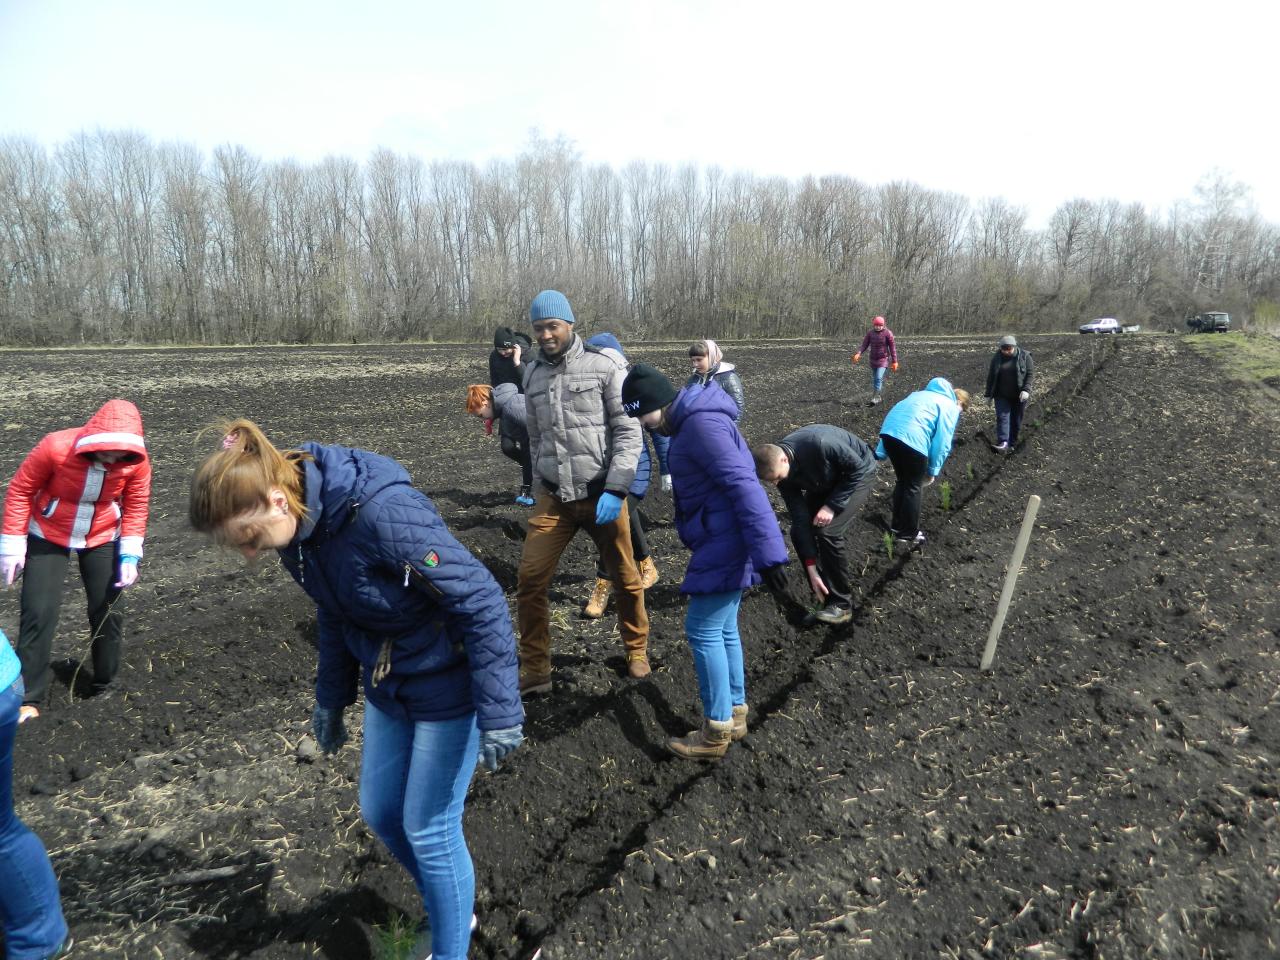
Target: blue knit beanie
(550, 305)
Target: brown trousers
(551, 526)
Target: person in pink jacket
(84, 490)
(884, 355)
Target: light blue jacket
(10, 667)
(926, 422)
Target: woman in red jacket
(85, 490)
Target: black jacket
(725, 375)
(1026, 371)
(504, 370)
(827, 464)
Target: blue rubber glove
(329, 730)
(496, 744)
(607, 508)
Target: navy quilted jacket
(382, 567)
(722, 513)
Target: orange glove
(857, 357)
(895, 366)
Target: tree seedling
(968, 472)
(888, 545)
(945, 491)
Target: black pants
(639, 542)
(830, 540)
(517, 449)
(911, 466)
(43, 579)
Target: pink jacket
(883, 349)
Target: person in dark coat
(1009, 380)
(598, 602)
(505, 404)
(506, 362)
(709, 364)
(824, 474)
(724, 517)
(401, 601)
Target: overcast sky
(1033, 101)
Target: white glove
(666, 483)
(10, 567)
(128, 573)
(1024, 396)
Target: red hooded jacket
(64, 496)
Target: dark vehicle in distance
(1213, 322)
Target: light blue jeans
(29, 904)
(711, 625)
(413, 784)
(877, 378)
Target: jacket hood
(503, 394)
(116, 426)
(722, 368)
(942, 386)
(606, 341)
(698, 398)
(338, 481)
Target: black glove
(775, 577)
(328, 729)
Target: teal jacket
(926, 422)
(10, 668)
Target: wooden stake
(1010, 579)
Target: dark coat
(1026, 371)
(722, 513)
(381, 566)
(727, 376)
(827, 463)
(504, 370)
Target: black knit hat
(503, 338)
(646, 389)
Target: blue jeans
(29, 905)
(711, 624)
(413, 783)
(1008, 420)
(877, 377)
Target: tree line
(112, 238)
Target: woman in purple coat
(723, 515)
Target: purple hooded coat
(722, 513)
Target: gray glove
(666, 483)
(328, 728)
(496, 744)
(1024, 396)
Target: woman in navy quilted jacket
(723, 515)
(401, 601)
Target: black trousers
(830, 540)
(43, 580)
(517, 449)
(639, 542)
(911, 467)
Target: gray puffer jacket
(581, 439)
(509, 406)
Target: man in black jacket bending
(824, 474)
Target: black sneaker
(833, 613)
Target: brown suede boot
(638, 666)
(739, 721)
(599, 599)
(708, 742)
(648, 573)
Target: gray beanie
(1008, 341)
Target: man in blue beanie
(585, 450)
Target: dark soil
(1109, 791)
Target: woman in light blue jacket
(916, 438)
(29, 907)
